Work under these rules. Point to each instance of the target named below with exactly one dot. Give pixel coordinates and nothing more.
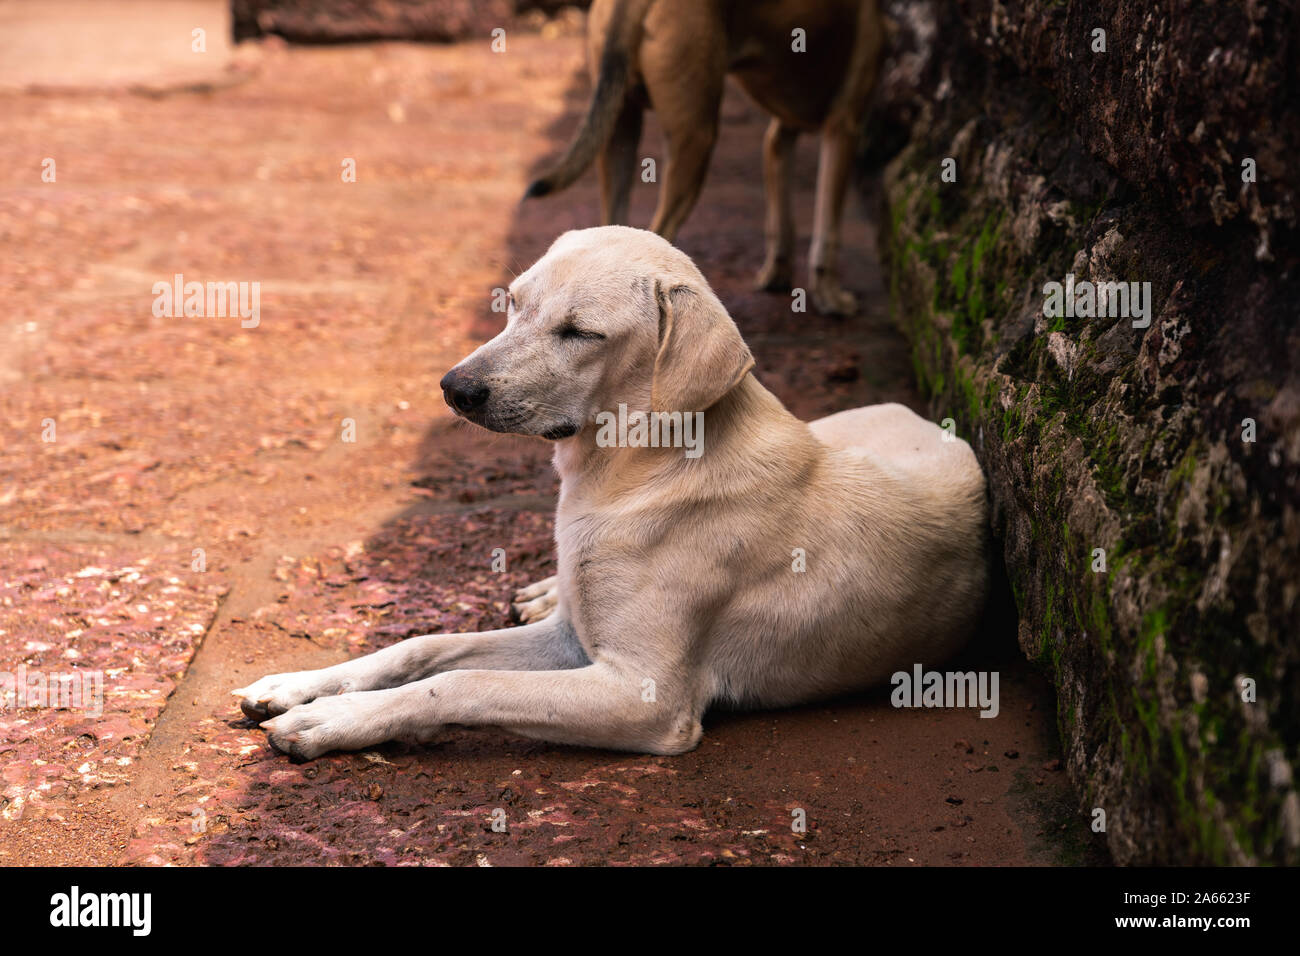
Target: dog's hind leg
(684, 68)
(690, 145)
(617, 164)
(777, 274)
(537, 600)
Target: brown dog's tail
(606, 102)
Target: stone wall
(1154, 551)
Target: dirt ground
(198, 520)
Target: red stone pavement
(197, 520)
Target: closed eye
(570, 331)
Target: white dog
(785, 562)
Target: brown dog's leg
(777, 274)
(684, 66)
(838, 140)
(690, 145)
(617, 165)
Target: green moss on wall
(961, 273)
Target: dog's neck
(741, 429)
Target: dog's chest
(596, 571)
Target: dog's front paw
(352, 721)
(829, 298)
(309, 730)
(277, 693)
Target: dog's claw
(287, 744)
(253, 710)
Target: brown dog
(675, 55)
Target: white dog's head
(609, 315)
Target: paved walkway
(147, 45)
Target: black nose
(462, 394)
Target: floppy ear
(701, 354)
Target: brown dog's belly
(798, 88)
(800, 108)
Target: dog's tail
(606, 102)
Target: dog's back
(897, 438)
